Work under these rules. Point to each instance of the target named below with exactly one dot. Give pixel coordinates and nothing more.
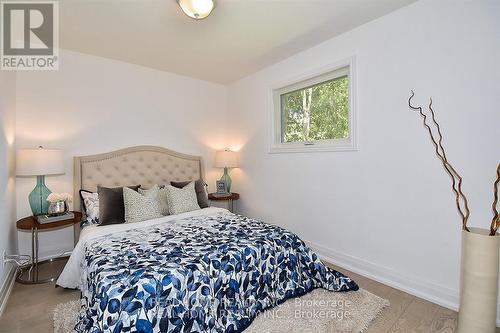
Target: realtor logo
(29, 35)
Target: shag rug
(320, 311)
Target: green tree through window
(318, 112)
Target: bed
(206, 270)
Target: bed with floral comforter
(210, 273)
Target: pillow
(161, 196)
(201, 192)
(111, 207)
(90, 202)
(181, 200)
(139, 207)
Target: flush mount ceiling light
(197, 9)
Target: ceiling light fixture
(197, 9)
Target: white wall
(8, 239)
(95, 105)
(386, 210)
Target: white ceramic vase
(479, 282)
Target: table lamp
(226, 159)
(39, 162)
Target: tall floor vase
(479, 283)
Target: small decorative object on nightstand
(39, 162)
(227, 198)
(30, 274)
(221, 187)
(59, 203)
(226, 159)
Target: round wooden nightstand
(31, 223)
(229, 197)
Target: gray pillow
(161, 196)
(140, 207)
(111, 207)
(201, 193)
(181, 200)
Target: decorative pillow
(111, 207)
(139, 207)
(200, 188)
(160, 194)
(181, 200)
(90, 206)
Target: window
(315, 114)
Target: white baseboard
(8, 284)
(10, 278)
(438, 294)
(441, 295)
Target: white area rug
(320, 311)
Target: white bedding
(72, 273)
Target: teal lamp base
(225, 177)
(38, 197)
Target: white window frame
(332, 71)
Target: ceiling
(238, 38)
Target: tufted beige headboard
(144, 165)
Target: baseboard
(438, 294)
(10, 278)
(8, 283)
(432, 292)
(7, 286)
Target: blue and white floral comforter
(210, 273)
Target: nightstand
(31, 223)
(225, 199)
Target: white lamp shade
(226, 159)
(197, 9)
(39, 162)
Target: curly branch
(451, 170)
(495, 222)
(460, 198)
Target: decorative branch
(437, 141)
(495, 222)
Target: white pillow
(160, 194)
(139, 207)
(91, 206)
(181, 200)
